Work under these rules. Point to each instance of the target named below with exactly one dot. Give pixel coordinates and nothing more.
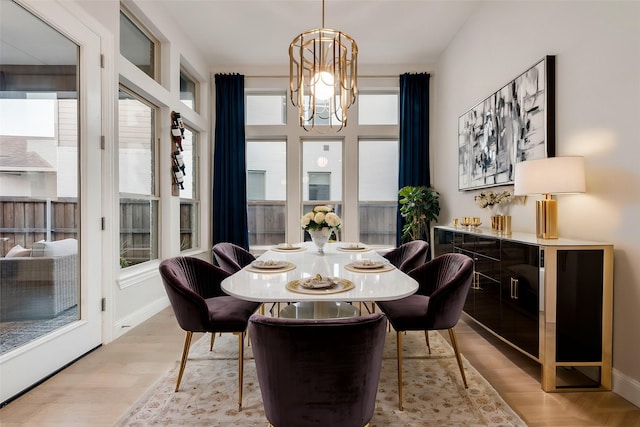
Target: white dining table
(368, 285)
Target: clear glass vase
(320, 238)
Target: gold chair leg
(213, 339)
(185, 353)
(262, 309)
(426, 336)
(240, 366)
(454, 344)
(399, 357)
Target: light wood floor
(97, 389)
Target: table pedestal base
(319, 310)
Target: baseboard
(122, 326)
(626, 387)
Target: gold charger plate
(353, 248)
(384, 268)
(270, 269)
(288, 248)
(342, 285)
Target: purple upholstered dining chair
(409, 255)
(444, 283)
(231, 257)
(318, 372)
(200, 305)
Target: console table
(551, 299)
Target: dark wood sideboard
(552, 299)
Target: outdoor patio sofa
(42, 285)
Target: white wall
(597, 49)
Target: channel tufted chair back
(318, 372)
(200, 305)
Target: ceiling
(254, 33)
(258, 32)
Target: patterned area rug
(433, 391)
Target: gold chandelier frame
(323, 51)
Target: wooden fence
(24, 221)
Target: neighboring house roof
(14, 155)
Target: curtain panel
(414, 134)
(229, 163)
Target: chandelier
(322, 77)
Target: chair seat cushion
(407, 314)
(230, 314)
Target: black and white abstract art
(514, 124)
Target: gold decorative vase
(501, 223)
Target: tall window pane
(189, 195)
(138, 195)
(322, 174)
(266, 191)
(39, 178)
(378, 191)
(188, 91)
(137, 45)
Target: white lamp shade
(552, 175)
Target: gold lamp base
(547, 218)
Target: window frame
(154, 198)
(194, 172)
(152, 38)
(184, 74)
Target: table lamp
(552, 175)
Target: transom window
(138, 45)
(188, 91)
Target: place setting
(353, 247)
(319, 284)
(270, 266)
(288, 247)
(369, 266)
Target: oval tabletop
(368, 285)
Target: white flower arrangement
(321, 218)
(490, 198)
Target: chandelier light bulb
(322, 85)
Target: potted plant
(418, 206)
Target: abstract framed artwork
(514, 124)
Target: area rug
(433, 391)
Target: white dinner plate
(353, 247)
(269, 264)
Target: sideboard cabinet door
(520, 296)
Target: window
(188, 91)
(378, 109)
(266, 109)
(137, 179)
(266, 191)
(354, 171)
(378, 190)
(256, 185)
(322, 174)
(138, 45)
(189, 195)
(319, 185)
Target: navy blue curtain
(229, 163)
(414, 134)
